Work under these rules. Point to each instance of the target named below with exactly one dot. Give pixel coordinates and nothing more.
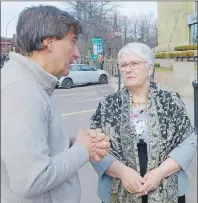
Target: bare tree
(124, 26)
(176, 17)
(142, 28)
(100, 19)
(95, 18)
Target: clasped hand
(134, 183)
(96, 142)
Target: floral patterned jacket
(168, 124)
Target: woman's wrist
(168, 167)
(121, 170)
(162, 171)
(116, 169)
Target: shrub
(181, 48)
(185, 48)
(172, 55)
(157, 65)
(175, 54)
(188, 53)
(161, 55)
(192, 47)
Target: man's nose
(77, 53)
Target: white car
(83, 74)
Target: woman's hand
(152, 180)
(155, 176)
(131, 180)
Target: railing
(187, 58)
(112, 69)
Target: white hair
(142, 50)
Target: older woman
(149, 130)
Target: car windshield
(75, 68)
(87, 68)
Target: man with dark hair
(39, 162)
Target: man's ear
(49, 43)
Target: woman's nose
(128, 69)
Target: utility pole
(6, 45)
(195, 86)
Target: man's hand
(84, 139)
(152, 180)
(96, 142)
(131, 180)
(102, 144)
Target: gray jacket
(38, 163)
(182, 154)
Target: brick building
(8, 45)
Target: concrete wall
(180, 79)
(167, 12)
(165, 63)
(184, 73)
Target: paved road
(77, 106)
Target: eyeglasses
(133, 65)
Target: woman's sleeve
(185, 151)
(96, 118)
(98, 121)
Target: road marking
(67, 95)
(79, 112)
(88, 93)
(83, 101)
(82, 88)
(102, 91)
(191, 176)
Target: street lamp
(6, 47)
(195, 86)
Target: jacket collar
(46, 80)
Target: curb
(182, 94)
(114, 84)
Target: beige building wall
(172, 20)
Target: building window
(193, 34)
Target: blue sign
(97, 48)
(94, 57)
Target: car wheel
(67, 83)
(103, 79)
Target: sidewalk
(192, 170)
(191, 195)
(114, 83)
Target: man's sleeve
(25, 145)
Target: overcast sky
(10, 10)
